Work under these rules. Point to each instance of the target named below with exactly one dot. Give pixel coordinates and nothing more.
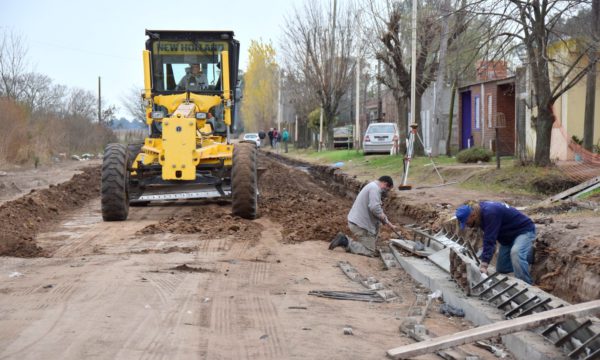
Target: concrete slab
(525, 345)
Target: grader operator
(190, 79)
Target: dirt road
(189, 281)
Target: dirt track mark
(267, 321)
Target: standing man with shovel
(364, 219)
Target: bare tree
(42, 95)
(81, 103)
(537, 26)
(303, 100)
(133, 104)
(14, 75)
(319, 46)
(390, 22)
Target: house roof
(506, 80)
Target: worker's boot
(339, 240)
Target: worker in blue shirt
(512, 229)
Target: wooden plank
(583, 192)
(573, 190)
(495, 329)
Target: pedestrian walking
(285, 137)
(270, 134)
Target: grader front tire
(115, 183)
(244, 181)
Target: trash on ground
(450, 310)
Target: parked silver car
(252, 137)
(381, 138)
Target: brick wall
(503, 101)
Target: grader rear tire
(244, 181)
(115, 183)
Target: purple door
(466, 120)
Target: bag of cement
(450, 310)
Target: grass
(366, 167)
(510, 178)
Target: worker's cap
(462, 214)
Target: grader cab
(190, 80)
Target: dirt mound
(568, 258)
(22, 219)
(287, 195)
(208, 220)
(306, 210)
(186, 268)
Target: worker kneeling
(364, 219)
(512, 229)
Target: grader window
(183, 65)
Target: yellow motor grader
(190, 82)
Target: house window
(477, 113)
(489, 115)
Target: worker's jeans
(517, 256)
(363, 242)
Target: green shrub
(473, 155)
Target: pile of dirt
(306, 210)
(208, 220)
(289, 196)
(568, 258)
(323, 207)
(22, 219)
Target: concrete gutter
(524, 345)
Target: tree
(13, 66)
(590, 93)
(81, 103)
(134, 105)
(537, 25)
(259, 108)
(303, 101)
(390, 22)
(320, 47)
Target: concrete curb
(524, 345)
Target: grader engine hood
(179, 144)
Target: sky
(74, 42)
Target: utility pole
(357, 112)
(379, 103)
(331, 74)
(321, 131)
(296, 132)
(99, 102)
(413, 68)
(279, 101)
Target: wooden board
(496, 329)
(572, 190)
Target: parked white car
(252, 137)
(380, 138)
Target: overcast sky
(74, 42)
